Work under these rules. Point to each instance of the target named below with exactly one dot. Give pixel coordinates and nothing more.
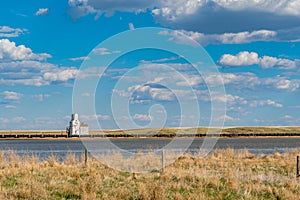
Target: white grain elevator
(76, 128)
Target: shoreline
(157, 133)
(140, 138)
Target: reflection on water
(60, 148)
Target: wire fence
(62, 154)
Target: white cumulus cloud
(147, 93)
(270, 62)
(60, 75)
(10, 107)
(94, 117)
(266, 103)
(246, 58)
(252, 81)
(10, 95)
(224, 38)
(7, 32)
(104, 51)
(42, 11)
(34, 73)
(282, 83)
(9, 51)
(142, 117)
(80, 58)
(241, 59)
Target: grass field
(224, 174)
(231, 131)
(164, 132)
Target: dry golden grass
(164, 132)
(224, 174)
(235, 131)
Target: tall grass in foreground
(224, 174)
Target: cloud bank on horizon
(255, 43)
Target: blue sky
(255, 46)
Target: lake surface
(60, 148)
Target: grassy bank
(202, 132)
(224, 174)
(164, 132)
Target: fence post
(163, 160)
(85, 156)
(298, 166)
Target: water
(59, 148)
